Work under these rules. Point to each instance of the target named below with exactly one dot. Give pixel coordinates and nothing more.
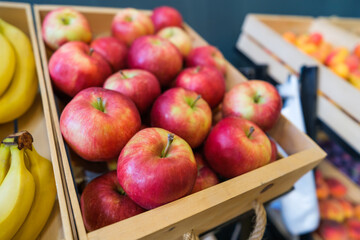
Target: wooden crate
(38, 122)
(208, 208)
(351, 25)
(261, 40)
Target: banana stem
(22, 139)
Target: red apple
(166, 16)
(156, 55)
(273, 151)
(139, 85)
(207, 56)
(156, 167)
(113, 50)
(97, 123)
(129, 24)
(184, 113)
(63, 25)
(353, 62)
(206, 81)
(255, 100)
(178, 37)
(205, 176)
(75, 66)
(104, 202)
(236, 146)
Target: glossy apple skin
(113, 50)
(72, 68)
(130, 24)
(151, 180)
(96, 135)
(156, 55)
(207, 56)
(139, 85)
(206, 81)
(172, 111)
(273, 151)
(166, 16)
(56, 32)
(240, 101)
(205, 176)
(230, 152)
(178, 37)
(103, 202)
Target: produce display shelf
(203, 210)
(38, 122)
(261, 40)
(348, 24)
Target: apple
(184, 113)
(139, 85)
(206, 56)
(206, 81)
(353, 62)
(65, 24)
(205, 176)
(354, 78)
(178, 37)
(113, 50)
(156, 55)
(255, 100)
(156, 167)
(274, 152)
(316, 38)
(104, 202)
(356, 51)
(166, 16)
(129, 24)
(75, 66)
(236, 146)
(97, 123)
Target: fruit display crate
(351, 25)
(197, 212)
(261, 40)
(328, 170)
(37, 121)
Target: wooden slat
(205, 209)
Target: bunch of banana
(27, 188)
(18, 82)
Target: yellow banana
(45, 194)
(21, 93)
(4, 161)
(16, 195)
(7, 63)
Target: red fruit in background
(156, 167)
(331, 209)
(166, 16)
(113, 50)
(139, 85)
(156, 55)
(73, 67)
(353, 228)
(206, 81)
(337, 189)
(130, 24)
(353, 62)
(207, 56)
(273, 151)
(347, 207)
(205, 176)
(316, 38)
(357, 50)
(357, 211)
(236, 146)
(178, 37)
(182, 112)
(103, 202)
(331, 230)
(97, 123)
(255, 100)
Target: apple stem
(65, 21)
(252, 129)
(167, 148)
(100, 104)
(257, 98)
(91, 50)
(197, 99)
(197, 69)
(121, 191)
(123, 74)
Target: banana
(4, 161)
(45, 194)
(21, 93)
(16, 195)
(7, 63)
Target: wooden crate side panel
(343, 125)
(213, 206)
(351, 25)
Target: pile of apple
(340, 218)
(133, 100)
(340, 60)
